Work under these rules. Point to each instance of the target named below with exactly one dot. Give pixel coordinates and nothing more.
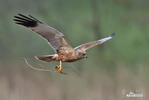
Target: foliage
(129, 19)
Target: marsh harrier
(64, 52)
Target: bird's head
(81, 53)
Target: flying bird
(64, 52)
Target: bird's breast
(67, 57)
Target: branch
(40, 69)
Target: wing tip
(112, 35)
(27, 21)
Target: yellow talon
(59, 69)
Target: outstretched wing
(94, 43)
(55, 38)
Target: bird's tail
(47, 58)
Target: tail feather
(47, 58)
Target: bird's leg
(59, 67)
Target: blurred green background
(111, 71)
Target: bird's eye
(84, 54)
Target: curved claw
(60, 69)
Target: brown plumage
(63, 50)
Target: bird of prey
(64, 52)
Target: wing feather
(94, 43)
(55, 38)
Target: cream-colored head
(80, 54)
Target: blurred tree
(96, 21)
(96, 17)
(129, 18)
